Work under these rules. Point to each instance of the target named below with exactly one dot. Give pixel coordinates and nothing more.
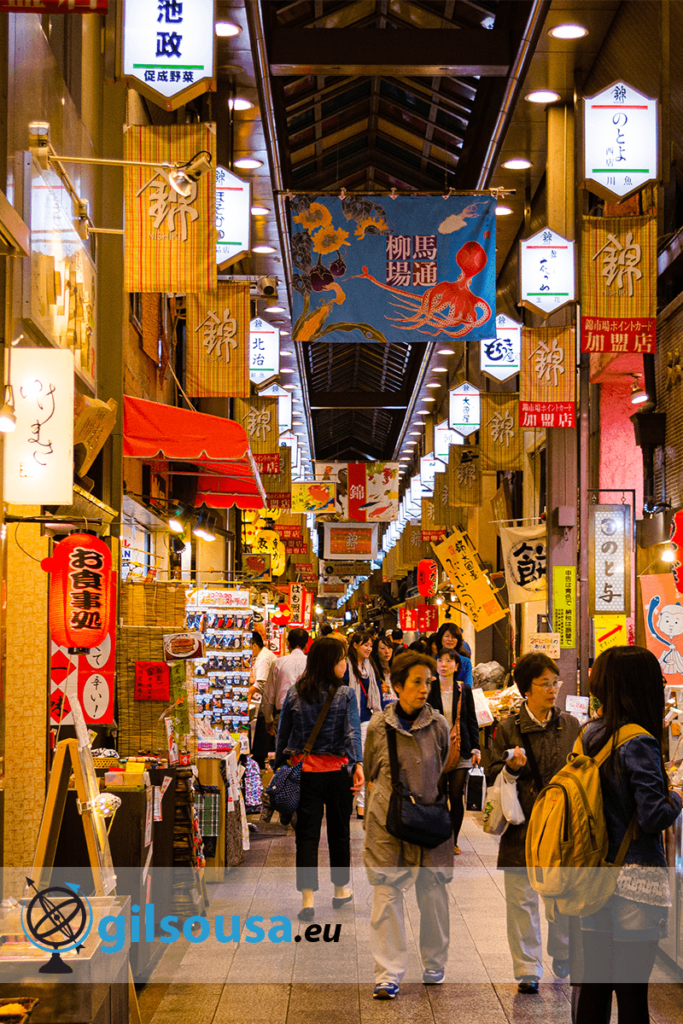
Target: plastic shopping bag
(482, 708)
(475, 790)
(495, 821)
(509, 800)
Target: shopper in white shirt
(286, 672)
(261, 672)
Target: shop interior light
(568, 32)
(503, 211)
(542, 96)
(176, 523)
(240, 103)
(8, 419)
(264, 250)
(517, 163)
(247, 163)
(203, 528)
(259, 211)
(227, 28)
(638, 394)
(183, 177)
(668, 555)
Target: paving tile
(253, 1004)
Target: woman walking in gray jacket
(422, 742)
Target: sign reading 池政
(620, 141)
(609, 550)
(619, 284)
(216, 342)
(547, 380)
(168, 49)
(170, 240)
(546, 272)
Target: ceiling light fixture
(175, 523)
(275, 309)
(249, 163)
(262, 250)
(428, 398)
(240, 103)
(259, 211)
(503, 211)
(287, 369)
(668, 555)
(517, 164)
(415, 433)
(439, 369)
(227, 28)
(433, 385)
(542, 96)
(284, 334)
(203, 528)
(568, 32)
(446, 351)
(291, 387)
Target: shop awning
(227, 473)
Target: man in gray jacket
(531, 746)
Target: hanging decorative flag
(663, 620)
(500, 436)
(344, 542)
(525, 561)
(609, 555)
(216, 342)
(312, 496)
(407, 619)
(278, 486)
(370, 271)
(460, 560)
(677, 545)
(444, 513)
(372, 491)
(264, 351)
(547, 380)
(546, 270)
(619, 284)
(169, 239)
(500, 357)
(621, 148)
(464, 477)
(464, 409)
(233, 217)
(259, 417)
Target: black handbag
(410, 820)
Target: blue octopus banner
(410, 268)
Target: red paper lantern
(80, 606)
(283, 616)
(427, 577)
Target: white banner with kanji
(524, 556)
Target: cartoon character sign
(677, 545)
(663, 614)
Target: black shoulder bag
(408, 819)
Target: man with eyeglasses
(530, 746)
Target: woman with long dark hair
(450, 636)
(382, 656)
(331, 773)
(362, 678)
(458, 701)
(620, 941)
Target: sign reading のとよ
(500, 357)
(464, 409)
(621, 148)
(546, 272)
(168, 49)
(609, 554)
(233, 217)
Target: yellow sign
(459, 558)
(564, 604)
(313, 496)
(610, 631)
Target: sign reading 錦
(233, 217)
(168, 49)
(216, 342)
(620, 141)
(609, 552)
(546, 271)
(500, 357)
(464, 410)
(548, 378)
(264, 351)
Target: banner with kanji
(372, 491)
(525, 561)
(437, 512)
(464, 476)
(278, 486)
(460, 560)
(547, 377)
(259, 417)
(619, 284)
(169, 239)
(369, 270)
(500, 436)
(217, 342)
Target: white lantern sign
(284, 405)
(38, 456)
(233, 217)
(444, 437)
(547, 275)
(464, 413)
(620, 141)
(501, 357)
(264, 351)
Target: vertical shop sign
(216, 342)
(407, 619)
(278, 487)
(429, 467)
(427, 618)
(609, 552)
(444, 437)
(264, 351)
(501, 437)
(464, 409)
(547, 379)
(500, 357)
(619, 284)
(460, 560)
(621, 148)
(168, 49)
(297, 598)
(38, 453)
(525, 561)
(564, 604)
(677, 545)
(547, 274)
(259, 417)
(233, 217)
(169, 239)
(464, 477)
(284, 404)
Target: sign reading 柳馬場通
(500, 357)
(233, 217)
(621, 148)
(168, 49)
(546, 272)
(264, 351)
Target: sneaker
(528, 987)
(385, 990)
(456, 850)
(430, 977)
(560, 968)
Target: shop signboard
(344, 568)
(239, 599)
(444, 437)
(284, 402)
(609, 554)
(609, 631)
(54, 6)
(663, 618)
(544, 643)
(500, 357)
(216, 342)
(501, 438)
(264, 351)
(313, 496)
(168, 49)
(564, 604)
(547, 379)
(233, 217)
(621, 147)
(464, 409)
(407, 619)
(460, 561)
(525, 561)
(256, 568)
(429, 467)
(344, 542)
(297, 602)
(82, 591)
(547, 273)
(427, 618)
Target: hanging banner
(500, 357)
(464, 409)
(169, 240)
(464, 477)
(427, 618)
(546, 272)
(259, 417)
(459, 558)
(278, 487)
(444, 437)
(663, 618)
(525, 561)
(609, 554)
(311, 496)
(444, 513)
(345, 543)
(233, 218)
(407, 619)
(564, 604)
(370, 271)
(372, 491)
(619, 284)
(297, 602)
(264, 351)
(500, 438)
(217, 342)
(547, 379)
(621, 148)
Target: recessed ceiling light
(517, 164)
(542, 96)
(446, 351)
(250, 163)
(227, 28)
(259, 211)
(433, 385)
(439, 369)
(240, 103)
(284, 334)
(428, 398)
(275, 309)
(290, 387)
(415, 433)
(262, 249)
(286, 369)
(568, 32)
(503, 211)
(285, 352)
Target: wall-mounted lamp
(638, 394)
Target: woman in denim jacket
(326, 781)
(620, 941)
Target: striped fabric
(548, 365)
(464, 477)
(169, 242)
(259, 417)
(217, 343)
(444, 512)
(500, 435)
(278, 487)
(619, 267)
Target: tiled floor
(214, 983)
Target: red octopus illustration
(445, 304)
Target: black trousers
(609, 968)
(263, 742)
(326, 793)
(456, 791)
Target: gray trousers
(524, 927)
(387, 927)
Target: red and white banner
(90, 676)
(407, 619)
(427, 618)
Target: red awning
(227, 473)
